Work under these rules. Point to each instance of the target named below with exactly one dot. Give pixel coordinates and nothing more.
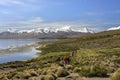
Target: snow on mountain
(113, 28)
(84, 30)
(48, 30)
(11, 30)
(27, 31)
(65, 29)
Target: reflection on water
(17, 56)
(16, 50)
(11, 43)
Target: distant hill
(106, 39)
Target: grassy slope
(100, 51)
(109, 39)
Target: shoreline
(23, 49)
(33, 45)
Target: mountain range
(113, 28)
(47, 32)
(51, 30)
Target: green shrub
(21, 69)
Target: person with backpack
(65, 60)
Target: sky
(97, 15)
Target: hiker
(66, 60)
(73, 53)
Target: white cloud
(5, 12)
(94, 13)
(20, 3)
(38, 22)
(10, 2)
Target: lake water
(16, 50)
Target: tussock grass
(97, 56)
(116, 75)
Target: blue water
(7, 43)
(16, 50)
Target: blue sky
(97, 15)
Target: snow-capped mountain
(84, 30)
(113, 28)
(43, 33)
(12, 30)
(52, 30)
(27, 31)
(65, 29)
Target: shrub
(12, 74)
(4, 78)
(116, 75)
(94, 71)
(44, 71)
(33, 73)
(61, 72)
(23, 75)
(26, 76)
(21, 69)
(50, 77)
(76, 69)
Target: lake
(16, 50)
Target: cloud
(35, 20)
(5, 12)
(38, 22)
(11, 2)
(94, 13)
(24, 4)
